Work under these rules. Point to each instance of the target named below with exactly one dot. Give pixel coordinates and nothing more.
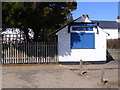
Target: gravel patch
(59, 76)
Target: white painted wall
(74, 55)
(113, 33)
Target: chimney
(86, 16)
(118, 19)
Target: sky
(119, 8)
(97, 10)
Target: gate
(22, 52)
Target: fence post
(81, 67)
(102, 75)
(0, 48)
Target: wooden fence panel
(29, 53)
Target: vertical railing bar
(54, 52)
(15, 53)
(34, 52)
(31, 53)
(21, 54)
(24, 53)
(11, 50)
(37, 53)
(2, 49)
(16, 48)
(57, 51)
(40, 54)
(46, 51)
(43, 52)
(28, 52)
(7, 53)
(6, 49)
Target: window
(82, 40)
(82, 28)
(84, 24)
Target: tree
(44, 18)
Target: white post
(81, 67)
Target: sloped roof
(102, 24)
(107, 24)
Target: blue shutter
(82, 40)
(76, 39)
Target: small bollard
(102, 75)
(81, 67)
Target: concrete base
(77, 63)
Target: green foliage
(44, 18)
